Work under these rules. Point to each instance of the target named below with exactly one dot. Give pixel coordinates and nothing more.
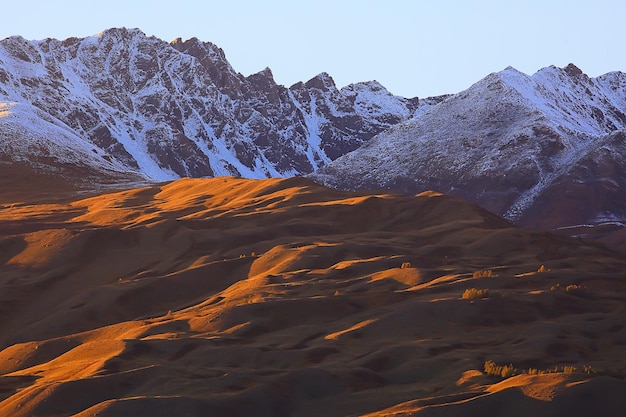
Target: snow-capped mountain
(125, 101)
(545, 150)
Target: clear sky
(413, 47)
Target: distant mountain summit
(546, 150)
(127, 102)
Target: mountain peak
(121, 32)
(511, 69)
(266, 72)
(179, 44)
(262, 78)
(510, 75)
(372, 85)
(177, 41)
(572, 70)
(322, 81)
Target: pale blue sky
(414, 48)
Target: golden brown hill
(279, 297)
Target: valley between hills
(281, 297)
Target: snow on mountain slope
(25, 133)
(168, 110)
(506, 143)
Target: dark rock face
(572, 70)
(179, 109)
(589, 198)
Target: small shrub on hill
(472, 293)
(573, 289)
(577, 290)
(504, 371)
(486, 273)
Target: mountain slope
(280, 297)
(34, 146)
(516, 144)
(167, 110)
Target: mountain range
(545, 150)
(132, 103)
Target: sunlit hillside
(280, 297)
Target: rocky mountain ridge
(134, 103)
